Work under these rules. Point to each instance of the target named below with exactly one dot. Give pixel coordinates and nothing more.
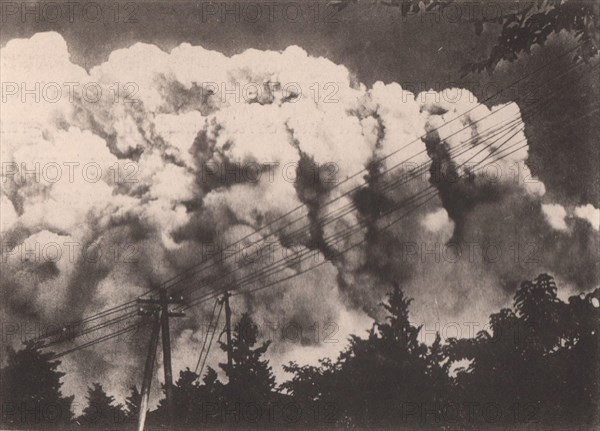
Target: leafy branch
(528, 25)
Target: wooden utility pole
(160, 309)
(166, 345)
(148, 370)
(228, 331)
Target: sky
(548, 220)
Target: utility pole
(146, 382)
(228, 330)
(166, 345)
(160, 309)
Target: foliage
(543, 354)
(133, 402)
(101, 410)
(374, 377)
(251, 381)
(250, 378)
(31, 390)
(522, 26)
(536, 362)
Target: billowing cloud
(153, 161)
(590, 213)
(555, 216)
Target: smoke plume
(152, 161)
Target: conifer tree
(251, 378)
(101, 410)
(132, 402)
(31, 389)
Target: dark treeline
(536, 364)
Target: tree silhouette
(522, 25)
(133, 402)
(251, 378)
(540, 358)
(211, 393)
(577, 362)
(187, 398)
(101, 410)
(212, 389)
(193, 402)
(310, 383)
(375, 377)
(537, 362)
(438, 371)
(314, 389)
(31, 389)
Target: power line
(93, 328)
(429, 192)
(283, 262)
(385, 171)
(126, 305)
(212, 315)
(101, 339)
(211, 340)
(131, 304)
(381, 159)
(328, 218)
(428, 197)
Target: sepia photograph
(303, 215)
